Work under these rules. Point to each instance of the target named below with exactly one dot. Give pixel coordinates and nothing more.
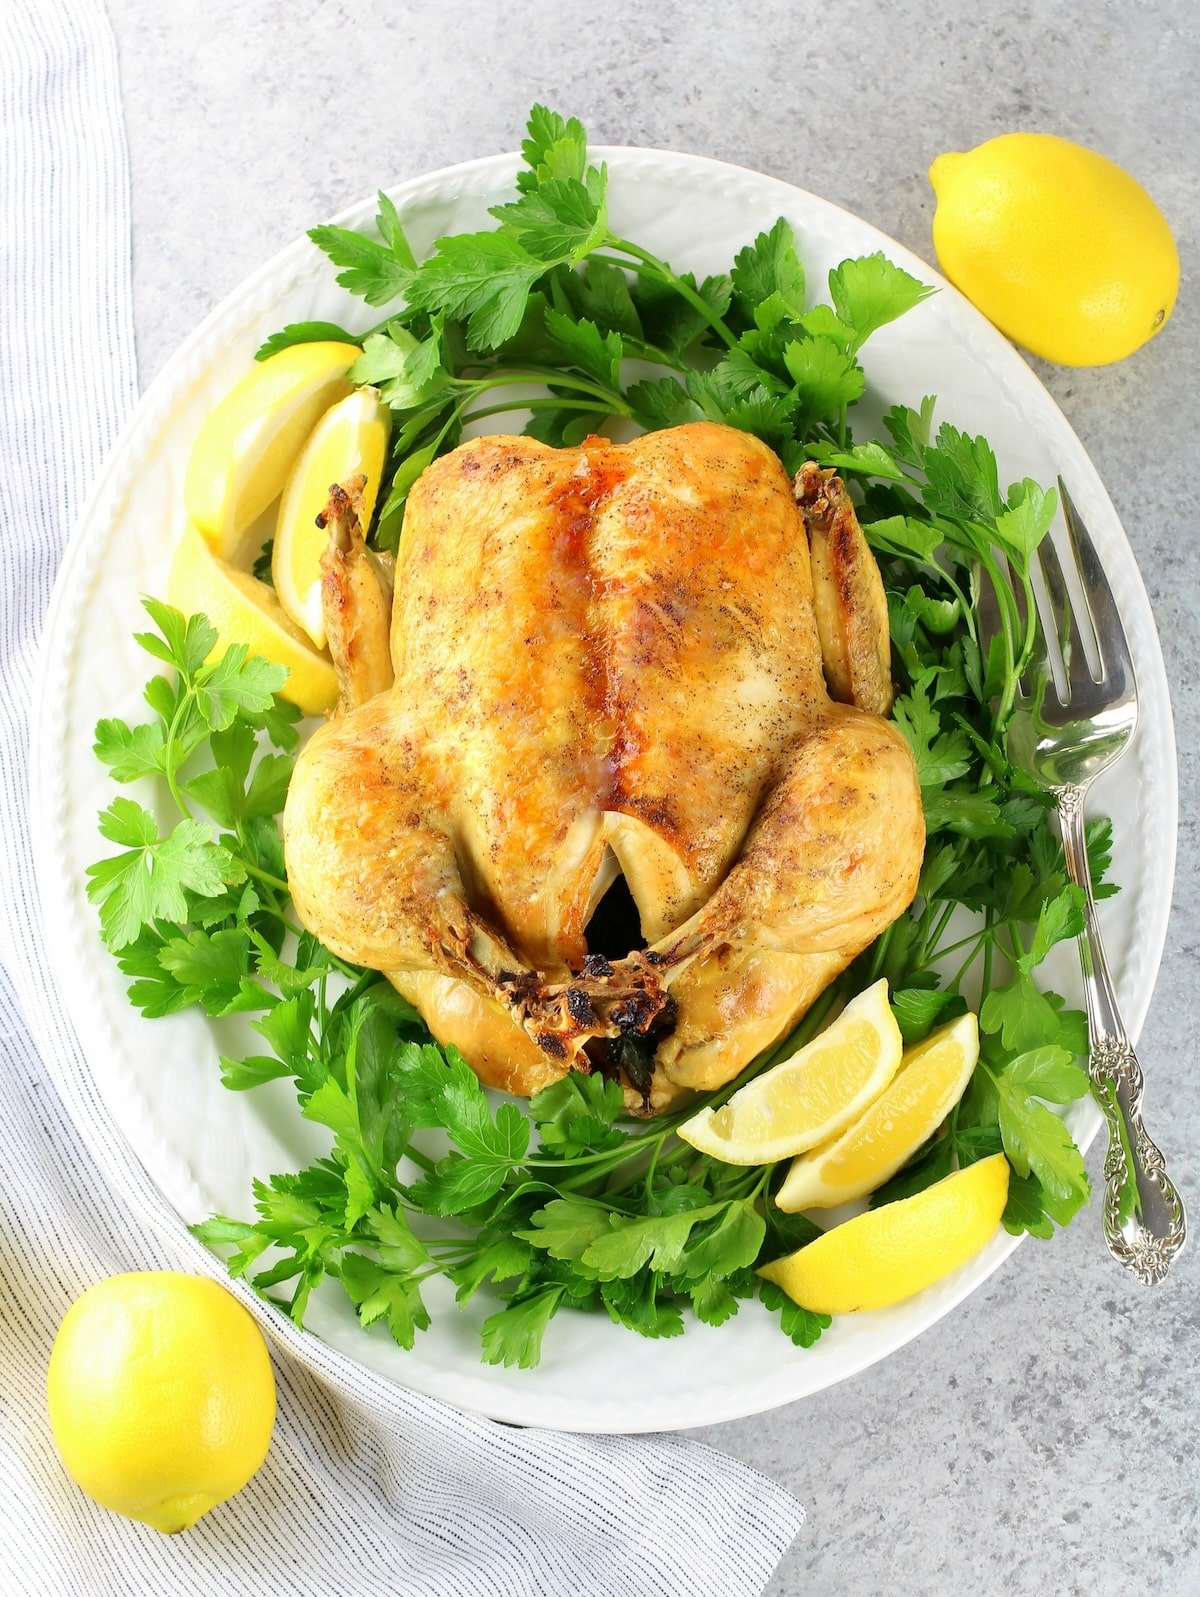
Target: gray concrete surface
(1043, 1439)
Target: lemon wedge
(161, 1396)
(932, 1078)
(810, 1097)
(893, 1252)
(350, 440)
(250, 439)
(245, 610)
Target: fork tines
(1113, 672)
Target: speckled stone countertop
(1041, 1440)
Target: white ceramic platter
(201, 1144)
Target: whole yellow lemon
(161, 1396)
(1064, 251)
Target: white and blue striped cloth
(367, 1488)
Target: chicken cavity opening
(615, 928)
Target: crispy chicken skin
(606, 661)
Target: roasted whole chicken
(655, 670)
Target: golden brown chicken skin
(849, 601)
(356, 600)
(606, 662)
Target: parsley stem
(637, 349)
(879, 955)
(682, 288)
(599, 1162)
(1010, 620)
(1031, 624)
(648, 1183)
(638, 268)
(962, 942)
(953, 984)
(931, 945)
(534, 405)
(966, 608)
(265, 877)
(453, 418)
(354, 971)
(170, 760)
(547, 375)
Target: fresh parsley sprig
(566, 1207)
(190, 911)
(555, 304)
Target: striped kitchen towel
(368, 1488)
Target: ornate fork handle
(1147, 1235)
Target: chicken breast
(607, 663)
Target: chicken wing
(848, 596)
(356, 600)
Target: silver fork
(1064, 736)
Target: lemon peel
(932, 1077)
(350, 440)
(810, 1097)
(250, 439)
(1058, 246)
(161, 1396)
(245, 610)
(896, 1251)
